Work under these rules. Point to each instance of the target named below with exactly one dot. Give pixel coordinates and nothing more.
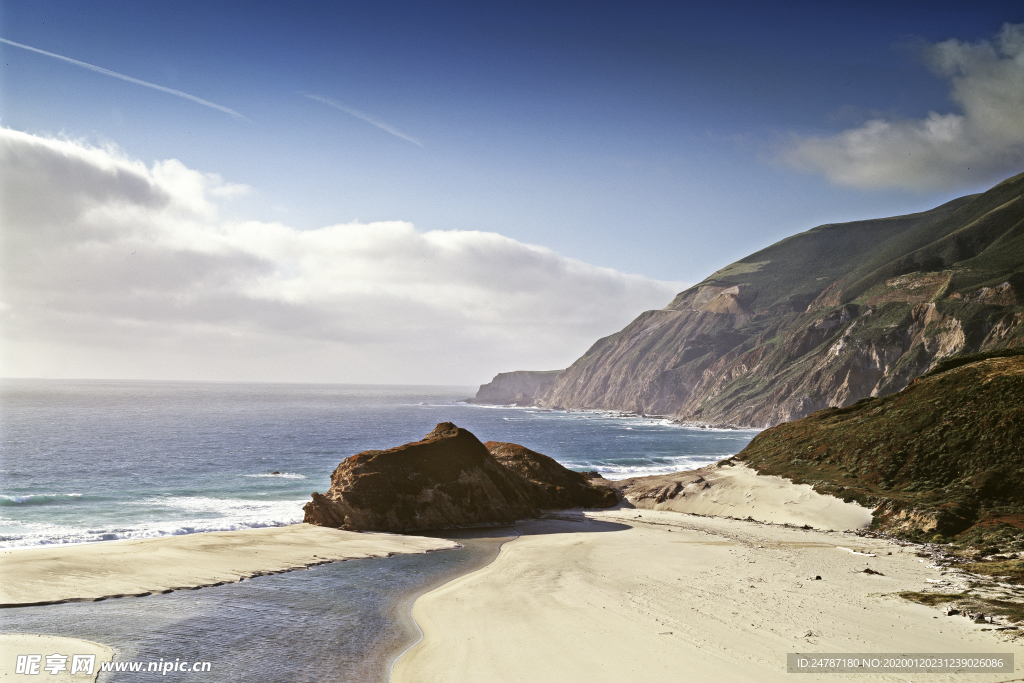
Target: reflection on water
(344, 621)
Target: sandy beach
(35, 576)
(620, 594)
(658, 595)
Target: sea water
(91, 461)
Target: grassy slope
(977, 241)
(800, 267)
(980, 235)
(946, 453)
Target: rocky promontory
(516, 388)
(448, 480)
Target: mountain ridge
(819, 319)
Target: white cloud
(114, 269)
(983, 142)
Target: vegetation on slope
(979, 238)
(942, 458)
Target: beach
(658, 595)
(620, 594)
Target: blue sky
(660, 140)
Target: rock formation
(820, 319)
(449, 479)
(555, 487)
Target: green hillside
(942, 458)
(799, 268)
(979, 237)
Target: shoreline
(397, 630)
(403, 611)
(633, 594)
(134, 568)
(715, 426)
(14, 644)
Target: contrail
(108, 72)
(360, 115)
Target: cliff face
(940, 457)
(820, 319)
(449, 479)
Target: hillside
(823, 318)
(940, 457)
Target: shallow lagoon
(345, 621)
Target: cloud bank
(941, 151)
(111, 268)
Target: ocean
(93, 461)
(89, 461)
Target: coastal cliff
(823, 318)
(448, 480)
(520, 387)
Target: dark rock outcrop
(823, 318)
(555, 486)
(447, 480)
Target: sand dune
(662, 596)
(93, 571)
(740, 492)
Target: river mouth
(344, 621)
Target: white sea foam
(229, 507)
(617, 473)
(36, 498)
(233, 515)
(281, 475)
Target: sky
(432, 193)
